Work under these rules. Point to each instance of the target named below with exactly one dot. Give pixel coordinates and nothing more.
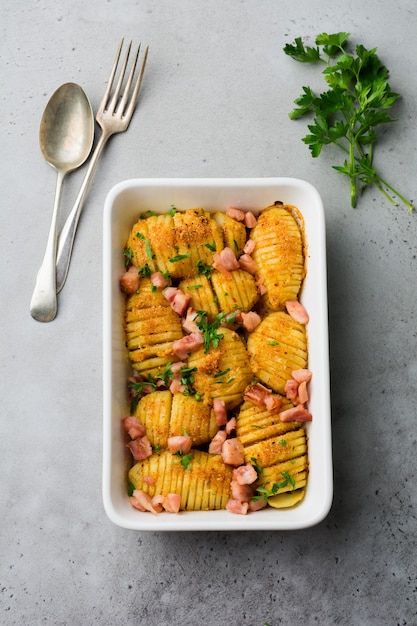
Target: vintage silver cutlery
(113, 116)
(66, 138)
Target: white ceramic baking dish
(123, 204)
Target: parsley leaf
(356, 102)
(209, 329)
(267, 493)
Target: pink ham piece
(133, 426)
(245, 474)
(297, 311)
(188, 322)
(273, 402)
(232, 452)
(303, 393)
(248, 264)
(140, 448)
(236, 214)
(190, 343)
(180, 443)
(178, 300)
(230, 426)
(225, 260)
(257, 505)
(142, 501)
(234, 506)
(249, 246)
(302, 375)
(250, 321)
(250, 219)
(171, 503)
(291, 389)
(159, 280)
(217, 442)
(296, 414)
(129, 282)
(242, 493)
(219, 408)
(149, 480)
(256, 394)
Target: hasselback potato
(279, 255)
(201, 479)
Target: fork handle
(67, 234)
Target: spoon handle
(43, 306)
(67, 235)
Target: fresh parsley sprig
(348, 113)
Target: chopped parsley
(267, 493)
(179, 257)
(204, 269)
(128, 255)
(211, 246)
(185, 459)
(209, 329)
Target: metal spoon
(66, 138)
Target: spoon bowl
(66, 137)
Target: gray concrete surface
(215, 99)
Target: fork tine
(132, 104)
(115, 98)
(103, 103)
(125, 96)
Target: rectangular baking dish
(122, 206)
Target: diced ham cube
(217, 442)
(133, 426)
(190, 343)
(273, 402)
(250, 320)
(245, 474)
(302, 375)
(159, 280)
(225, 259)
(303, 392)
(296, 414)
(257, 505)
(234, 506)
(291, 389)
(249, 246)
(231, 426)
(297, 311)
(142, 501)
(248, 264)
(180, 443)
(236, 214)
(233, 452)
(242, 493)
(219, 408)
(250, 219)
(140, 448)
(171, 503)
(129, 282)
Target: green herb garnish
(204, 269)
(209, 329)
(145, 271)
(128, 255)
(348, 113)
(172, 210)
(179, 257)
(267, 493)
(185, 459)
(211, 246)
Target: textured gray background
(214, 102)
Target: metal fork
(113, 116)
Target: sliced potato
(277, 347)
(286, 500)
(236, 291)
(203, 482)
(279, 255)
